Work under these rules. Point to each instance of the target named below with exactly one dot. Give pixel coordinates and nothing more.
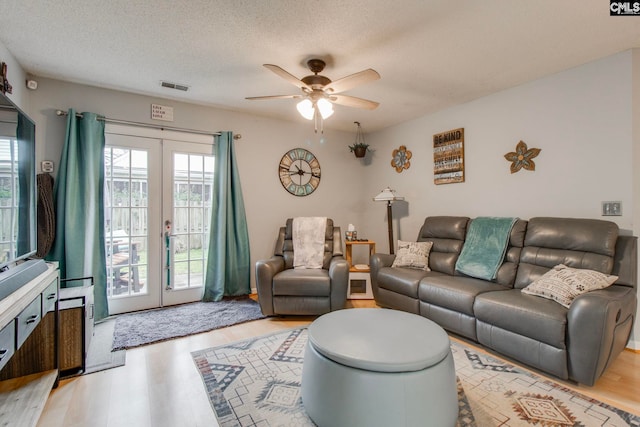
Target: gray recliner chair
(283, 290)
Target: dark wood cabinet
(76, 328)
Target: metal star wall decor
(522, 157)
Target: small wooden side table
(359, 278)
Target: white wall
(580, 118)
(263, 143)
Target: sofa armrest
(376, 262)
(339, 275)
(598, 325)
(265, 271)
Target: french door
(158, 188)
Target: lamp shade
(387, 195)
(325, 107)
(305, 108)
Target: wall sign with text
(448, 157)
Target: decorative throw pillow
(413, 255)
(563, 284)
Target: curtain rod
(150, 125)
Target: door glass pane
(192, 186)
(126, 221)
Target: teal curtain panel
(79, 200)
(228, 266)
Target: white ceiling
(431, 54)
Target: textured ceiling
(431, 54)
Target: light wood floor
(159, 385)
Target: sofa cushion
(507, 272)
(401, 280)
(574, 242)
(563, 284)
(413, 255)
(577, 234)
(309, 282)
(527, 315)
(447, 234)
(454, 293)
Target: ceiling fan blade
(274, 97)
(288, 76)
(351, 81)
(352, 101)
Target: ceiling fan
(319, 92)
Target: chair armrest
(598, 325)
(265, 271)
(339, 275)
(376, 262)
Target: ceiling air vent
(176, 86)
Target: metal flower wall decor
(400, 159)
(522, 157)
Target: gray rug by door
(150, 326)
(100, 356)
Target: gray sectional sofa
(576, 343)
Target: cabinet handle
(32, 318)
(51, 296)
(2, 353)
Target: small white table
(359, 276)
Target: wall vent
(176, 86)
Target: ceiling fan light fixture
(319, 92)
(325, 107)
(305, 108)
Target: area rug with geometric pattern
(256, 382)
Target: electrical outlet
(611, 208)
(47, 166)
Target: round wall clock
(299, 172)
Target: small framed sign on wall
(448, 157)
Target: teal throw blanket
(484, 247)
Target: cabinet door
(71, 338)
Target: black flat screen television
(18, 203)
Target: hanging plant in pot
(360, 148)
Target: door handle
(167, 245)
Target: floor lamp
(388, 195)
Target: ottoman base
(339, 395)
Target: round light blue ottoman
(378, 367)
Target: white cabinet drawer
(7, 343)
(28, 319)
(49, 297)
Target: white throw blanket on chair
(308, 241)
